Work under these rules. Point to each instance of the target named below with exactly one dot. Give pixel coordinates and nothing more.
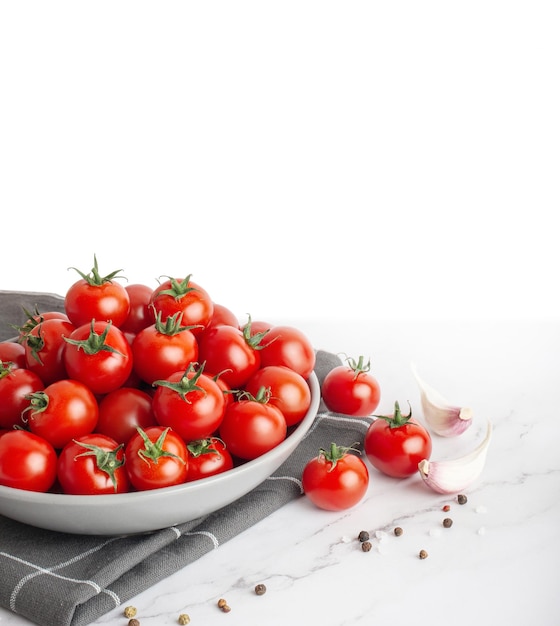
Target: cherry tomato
(44, 349)
(155, 458)
(122, 411)
(36, 318)
(351, 390)
(12, 352)
(139, 315)
(289, 391)
(15, 385)
(92, 464)
(163, 348)
(223, 316)
(396, 444)
(336, 479)
(97, 297)
(64, 410)
(27, 461)
(230, 351)
(208, 457)
(99, 356)
(252, 427)
(288, 346)
(184, 296)
(189, 402)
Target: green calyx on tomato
(94, 278)
(94, 343)
(38, 402)
(153, 450)
(178, 289)
(397, 419)
(335, 453)
(254, 341)
(187, 383)
(360, 366)
(172, 325)
(263, 395)
(203, 446)
(106, 460)
(6, 368)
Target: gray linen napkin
(72, 580)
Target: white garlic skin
(443, 418)
(455, 476)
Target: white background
(299, 159)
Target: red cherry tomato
(189, 402)
(155, 458)
(97, 297)
(64, 410)
(289, 391)
(351, 390)
(122, 411)
(396, 444)
(184, 296)
(231, 352)
(91, 465)
(27, 461)
(336, 479)
(252, 427)
(16, 384)
(139, 315)
(222, 316)
(98, 355)
(44, 349)
(163, 348)
(208, 457)
(12, 352)
(288, 346)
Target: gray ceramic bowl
(145, 511)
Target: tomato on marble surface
(351, 390)
(336, 479)
(395, 444)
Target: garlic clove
(443, 418)
(458, 474)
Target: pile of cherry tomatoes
(135, 388)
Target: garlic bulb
(458, 474)
(442, 417)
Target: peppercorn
(446, 508)
(133, 622)
(130, 611)
(363, 536)
(260, 589)
(223, 605)
(447, 522)
(183, 619)
(366, 546)
(462, 498)
(423, 554)
(398, 531)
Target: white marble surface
(498, 564)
